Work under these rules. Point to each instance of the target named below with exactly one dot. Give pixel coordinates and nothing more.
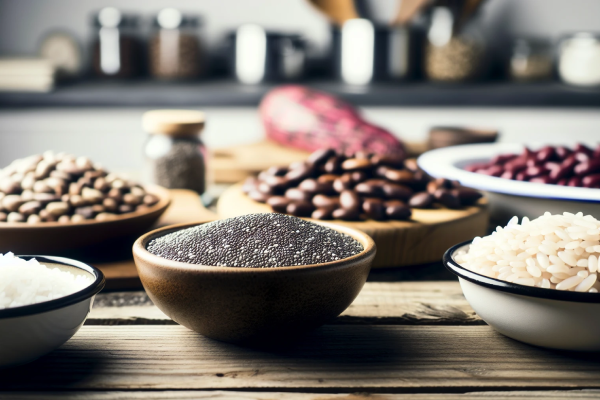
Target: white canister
(579, 59)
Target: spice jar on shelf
(453, 53)
(116, 49)
(175, 50)
(579, 59)
(531, 60)
(174, 153)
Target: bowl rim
(509, 287)
(140, 251)
(37, 308)
(162, 204)
(447, 163)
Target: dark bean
(130, 199)
(411, 164)
(93, 174)
(322, 213)
(125, 208)
(258, 196)
(421, 200)
(110, 204)
(3, 216)
(372, 187)
(87, 212)
(374, 208)
(278, 203)
(299, 173)
(447, 198)
(320, 156)
(332, 166)
(277, 171)
(45, 197)
(350, 200)
(297, 194)
(263, 187)
(361, 155)
(399, 176)
(356, 164)
(15, 217)
(342, 183)
(344, 214)
(388, 160)
(396, 191)
(327, 178)
(313, 186)
(277, 183)
(322, 201)
(467, 196)
(116, 194)
(300, 208)
(150, 199)
(395, 209)
(31, 207)
(358, 176)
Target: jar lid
(173, 122)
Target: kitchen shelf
(229, 93)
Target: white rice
(553, 251)
(28, 282)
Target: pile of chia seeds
(256, 241)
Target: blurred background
(77, 76)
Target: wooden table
(399, 340)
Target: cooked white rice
(27, 282)
(552, 251)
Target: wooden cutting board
(422, 240)
(234, 164)
(185, 207)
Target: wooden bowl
(242, 305)
(55, 238)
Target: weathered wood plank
(224, 395)
(430, 303)
(334, 359)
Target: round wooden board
(421, 240)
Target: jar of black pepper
(174, 152)
(116, 49)
(175, 50)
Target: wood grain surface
(335, 358)
(227, 395)
(407, 303)
(421, 240)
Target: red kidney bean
(527, 152)
(475, 167)
(278, 203)
(300, 208)
(298, 194)
(597, 152)
(421, 200)
(320, 156)
(322, 201)
(494, 170)
(467, 196)
(587, 167)
(520, 176)
(322, 213)
(396, 191)
(562, 182)
(582, 148)
(516, 165)
(565, 169)
(581, 156)
(574, 181)
(347, 215)
(532, 172)
(395, 209)
(374, 208)
(546, 154)
(591, 180)
(562, 152)
(542, 179)
(532, 162)
(502, 158)
(508, 175)
(349, 200)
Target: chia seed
(256, 241)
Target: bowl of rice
(43, 302)
(536, 281)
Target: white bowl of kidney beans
(524, 180)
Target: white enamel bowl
(507, 197)
(550, 318)
(29, 332)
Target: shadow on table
(76, 364)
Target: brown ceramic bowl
(54, 237)
(252, 304)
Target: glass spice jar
(531, 60)
(175, 155)
(175, 51)
(116, 48)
